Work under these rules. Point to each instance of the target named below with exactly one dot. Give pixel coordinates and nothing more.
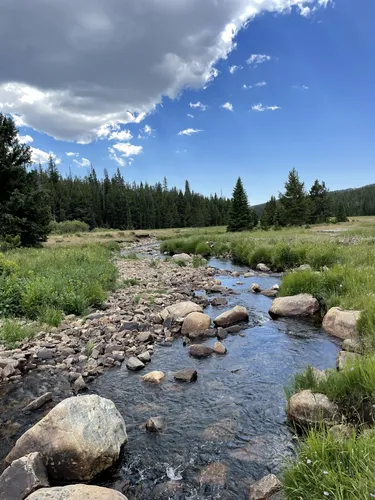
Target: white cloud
(99, 62)
(190, 116)
(234, 68)
(83, 163)
(301, 87)
(181, 151)
(228, 106)
(39, 156)
(305, 11)
(145, 132)
(260, 84)
(126, 149)
(25, 139)
(72, 154)
(198, 105)
(260, 108)
(113, 156)
(256, 59)
(246, 87)
(189, 131)
(112, 132)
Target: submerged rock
(154, 377)
(186, 375)
(219, 301)
(195, 322)
(231, 317)
(23, 476)
(180, 310)
(77, 492)
(265, 488)
(200, 351)
(155, 424)
(340, 323)
(79, 438)
(213, 474)
(39, 402)
(303, 304)
(308, 408)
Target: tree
(268, 217)
(341, 213)
(319, 203)
(239, 213)
(294, 200)
(24, 204)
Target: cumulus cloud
(198, 105)
(70, 153)
(260, 108)
(228, 106)
(25, 139)
(112, 132)
(127, 149)
(190, 131)
(256, 59)
(84, 162)
(85, 64)
(40, 156)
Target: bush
(13, 333)
(68, 227)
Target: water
(233, 417)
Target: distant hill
(357, 201)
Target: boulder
(155, 424)
(134, 364)
(265, 488)
(186, 375)
(220, 348)
(79, 438)
(77, 492)
(23, 476)
(249, 274)
(195, 322)
(154, 377)
(340, 323)
(180, 310)
(263, 268)
(308, 408)
(231, 317)
(303, 267)
(145, 357)
(269, 293)
(221, 334)
(200, 351)
(219, 301)
(182, 257)
(213, 474)
(39, 402)
(303, 304)
(145, 337)
(352, 345)
(255, 288)
(344, 357)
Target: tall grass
(12, 333)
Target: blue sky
(313, 107)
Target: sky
(199, 90)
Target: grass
(12, 333)
(130, 256)
(89, 348)
(331, 468)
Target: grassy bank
(44, 284)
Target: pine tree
(341, 213)
(24, 204)
(319, 203)
(294, 200)
(239, 213)
(268, 218)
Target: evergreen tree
(294, 200)
(24, 204)
(341, 213)
(239, 213)
(268, 218)
(319, 203)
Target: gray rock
(234, 329)
(200, 351)
(222, 334)
(263, 268)
(256, 288)
(180, 310)
(38, 402)
(182, 257)
(134, 364)
(340, 323)
(145, 357)
(22, 477)
(231, 317)
(79, 438)
(45, 353)
(77, 492)
(219, 301)
(344, 357)
(300, 305)
(265, 488)
(145, 337)
(195, 322)
(79, 384)
(155, 424)
(352, 345)
(186, 375)
(269, 293)
(129, 325)
(308, 408)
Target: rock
(45, 353)
(234, 329)
(275, 287)
(269, 293)
(341, 323)
(303, 304)
(263, 268)
(182, 257)
(186, 375)
(154, 377)
(79, 384)
(250, 274)
(265, 488)
(345, 357)
(213, 474)
(129, 325)
(342, 431)
(77, 492)
(303, 267)
(195, 322)
(134, 364)
(255, 287)
(235, 274)
(22, 477)
(180, 310)
(219, 348)
(145, 357)
(79, 438)
(352, 345)
(219, 301)
(200, 351)
(319, 375)
(145, 337)
(235, 315)
(306, 408)
(39, 402)
(221, 334)
(155, 424)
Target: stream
(228, 428)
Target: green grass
(13, 333)
(332, 469)
(44, 284)
(128, 282)
(89, 348)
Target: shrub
(68, 227)
(13, 333)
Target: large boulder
(22, 477)
(231, 317)
(265, 488)
(180, 310)
(340, 323)
(77, 492)
(307, 408)
(303, 304)
(182, 257)
(79, 438)
(195, 322)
